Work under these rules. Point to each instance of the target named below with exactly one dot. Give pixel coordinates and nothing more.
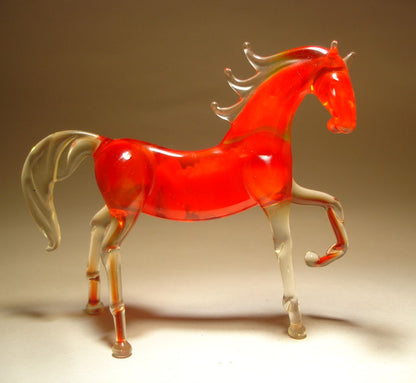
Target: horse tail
(53, 159)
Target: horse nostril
(333, 126)
(344, 129)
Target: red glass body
(252, 165)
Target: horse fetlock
(337, 250)
(296, 329)
(290, 303)
(117, 308)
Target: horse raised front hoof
(312, 259)
(333, 253)
(122, 350)
(297, 331)
(94, 309)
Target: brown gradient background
(204, 299)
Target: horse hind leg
(110, 253)
(99, 225)
(278, 216)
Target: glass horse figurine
(251, 166)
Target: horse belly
(191, 190)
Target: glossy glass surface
(251, 166)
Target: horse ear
(334, 44)
(349, 56)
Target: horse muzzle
(336, 125)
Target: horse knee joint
(283, 247)
(93, 275)
(117, 307)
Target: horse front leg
(278, 216)
(99, 225)
(304, 196)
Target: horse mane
(265, 68)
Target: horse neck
(274, 103)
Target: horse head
(333, 88)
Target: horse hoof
(297, 331)
(122, 350)
(311, 259)
(94, 309)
